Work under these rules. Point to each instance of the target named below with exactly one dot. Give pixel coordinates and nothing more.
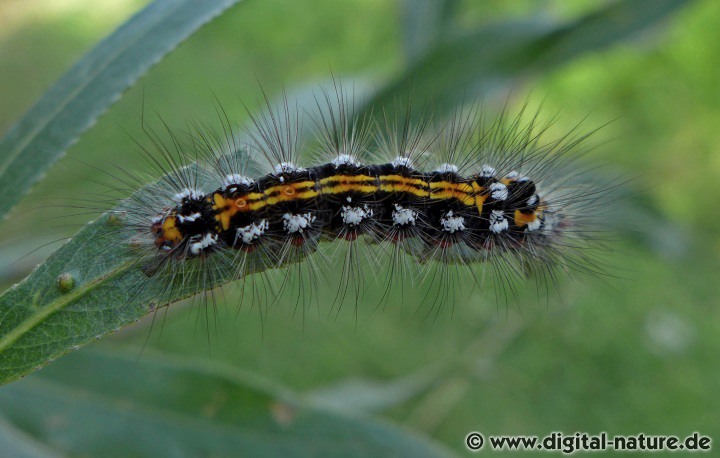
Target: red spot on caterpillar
(445, 243)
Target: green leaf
(80, 96)
(461, 67)
(424, 22)
(39, 322)
(16, 443)
(357, 394)
(91, 403)
(94, 285)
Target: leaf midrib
(58, 304)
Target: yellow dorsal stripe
(465, 199)
(463, 192)
(349, 187)
(398, 183)
(303, 195)
(294, 187)
(401, 179)
(468, 194)
(346, 179)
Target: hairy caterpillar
(440, 204)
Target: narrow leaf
(16, 443)
(357, 394)
(91, 286)
(187, 408)
(80, 96)
(424, 22)
(459, 68)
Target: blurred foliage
(41, 322)
(623, 355)
(83, 93)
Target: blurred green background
(625, 355)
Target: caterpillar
(428, 200)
